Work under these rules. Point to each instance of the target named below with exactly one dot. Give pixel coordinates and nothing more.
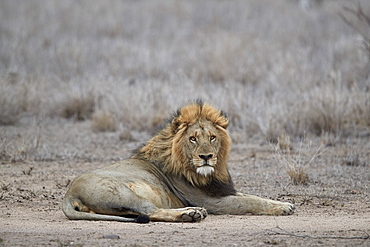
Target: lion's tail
(73, 214)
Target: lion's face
(202, 144)
(194, 145)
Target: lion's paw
(284, 208)
(194, 214)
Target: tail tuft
(142, 219)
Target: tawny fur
(167, 147)
(179, 175)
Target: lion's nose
(206, 157)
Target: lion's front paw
(194, 214)
(290, 209)
(283, 208)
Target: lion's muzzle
(205, 170)
(205, 164)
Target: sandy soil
(332, 209)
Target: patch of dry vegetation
(274, 68)
(103, 121)
(21, 148)
(295, 162)
(354, 157)
(11, 100)
(126, 136)
(79, 108)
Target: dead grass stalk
(295, 163)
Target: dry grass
(298, 175)
(354, 160)
(11, 102)
(354, 157)
(22, 148)
(269, 65)
(295, 162)
(79, 108)
(126, 136)
(104, 121)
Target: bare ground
(333, 208)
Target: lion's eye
(212, 138)
(193, 139)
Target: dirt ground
(333, 208)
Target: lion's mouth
(205, 170)
(205, 163)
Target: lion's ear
(223, 121)
(175, 124)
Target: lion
(179, 175)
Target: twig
(351, 25)
(316, 154)
(361, 16)
(358, 13)
(286, 233)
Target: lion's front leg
(188, 214)
(261, 206)
(247, 204)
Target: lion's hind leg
(74, 209)
(95, 197)
(188, 214)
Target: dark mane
(166, 147)
(219, 189)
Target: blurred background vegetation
(278, 68)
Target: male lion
(178, 176)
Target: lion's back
(129, 170)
